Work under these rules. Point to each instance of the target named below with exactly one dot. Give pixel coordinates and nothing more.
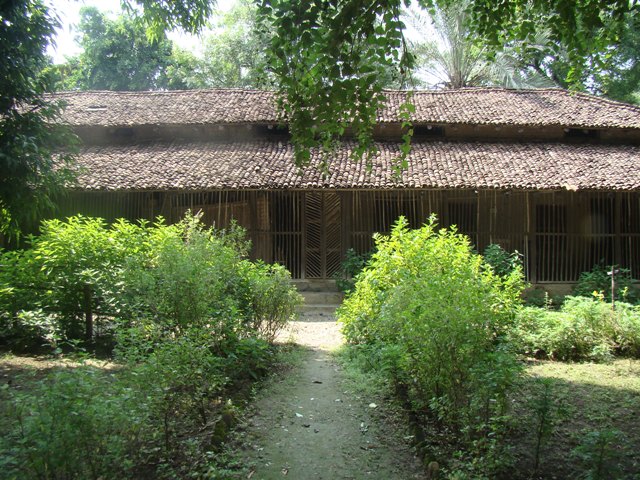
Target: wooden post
(617, 215)
(88, 313)
(531, 237)
(302, 196)
(253, 229)
(346, 223)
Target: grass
(587, 398)
(362, 376)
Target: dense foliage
(350, 267)
(598, 282)
(116, 55)
(328, 57)
(451, 54)
(439, 316)
(175, 276)
(190, 318)
(501, 261)
(583, 329)
(32, 169)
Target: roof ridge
(161, 92)
(471, 105)
(445, 92)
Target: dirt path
(311, 426)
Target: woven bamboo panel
(332, 213)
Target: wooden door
(323, 234)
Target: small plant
(545, 412)
(502, 262)
(349, 269)
(273, 299)
(540, 297)
(600, 453)
(583, 329)
(598, 280)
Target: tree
(456, 58)
(234, 54)
(621, 79)
(317, 54)
(32, 169)
(117, 55)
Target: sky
(68, 13)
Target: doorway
(322, 235)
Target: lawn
(593, 415)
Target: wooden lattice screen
(560, 234)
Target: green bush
(176, 276)
(600, 452)
(187, 278)
(272, 300)
(30, 331)
(446, 313)
(597, 280)
(350, 267)
(65, 260)
(73, 424)
(152, 419)
(191, 318)
(502, 262)
(583, 329)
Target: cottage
(550, 173)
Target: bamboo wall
(560, 234)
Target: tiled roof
(493, 106)
(269, 165)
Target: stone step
(308, 285)
(331, 298)
(315, 309)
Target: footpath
(310, 425)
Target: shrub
(186, 279)
(271, 297)
(155, 416)
(70, 425)
(583, 329)
(191, 319)
(63, 262)
(175, 276)
(600, 452)
(350, 267)
(597, 280)
(502, 262)
(447, 314)
(30, 331)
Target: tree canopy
(117, 55)
(449, 54)
(327, 56)
(233, 55)
(32, 169)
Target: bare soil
(311, 425)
